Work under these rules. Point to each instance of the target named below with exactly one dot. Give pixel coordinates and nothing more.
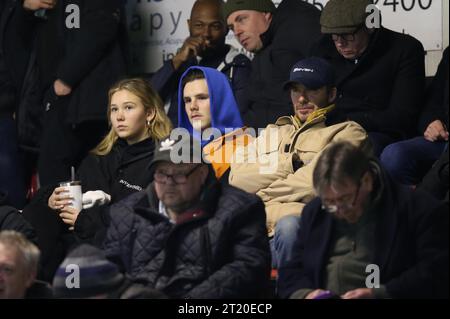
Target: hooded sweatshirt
(224, 110)
(225, 117)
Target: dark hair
(192, 75)
(338, 163)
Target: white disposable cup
(74, 190)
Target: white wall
(158, 29)
(433, 58)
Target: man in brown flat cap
(380, 73)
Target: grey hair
(27, 249)
(339, 163)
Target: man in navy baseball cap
(313, 73)
(300, 139)
(311, 84)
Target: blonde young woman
(117, 167)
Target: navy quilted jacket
(222, 254)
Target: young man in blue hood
(208, 110)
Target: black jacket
(223, 253)
(436, 181)
(293, 31)
(16, 44)
(122, 172)
(11, 219)
(384, 91)
(90, 59)
(17, 48)
(235, 66)
(437, 106)
(411, 245)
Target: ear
(332, 95)
(189, 24)
(367, 181)
(31, 278)
(268, 16)
(151, 115)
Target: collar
(318, 115)
(239, 134)
(130, 152)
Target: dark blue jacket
(221, 254)
(235, 66)
(411, 246)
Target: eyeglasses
(345, 37)
(344, 203)
(178, 178)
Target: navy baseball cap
(313, 73)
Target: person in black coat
(81, 54)
(11, 219)
(279, 38)
(380, 73)
(189, 236)
(16, 83)
(366, 236)
(436, 181)
(114, 170)
(408, 161)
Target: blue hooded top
(223, 106)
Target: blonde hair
(158, 128)
(30, 253)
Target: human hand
(69, 215)
(35, 5)
(95, 198)
(59, 198)
(361, 293)
(436, 131)
(61, 89)
(192, 47)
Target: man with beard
(294, 143)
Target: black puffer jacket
(222, 254)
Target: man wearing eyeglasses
(187, 235)
(380, 73)
(365, 236)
